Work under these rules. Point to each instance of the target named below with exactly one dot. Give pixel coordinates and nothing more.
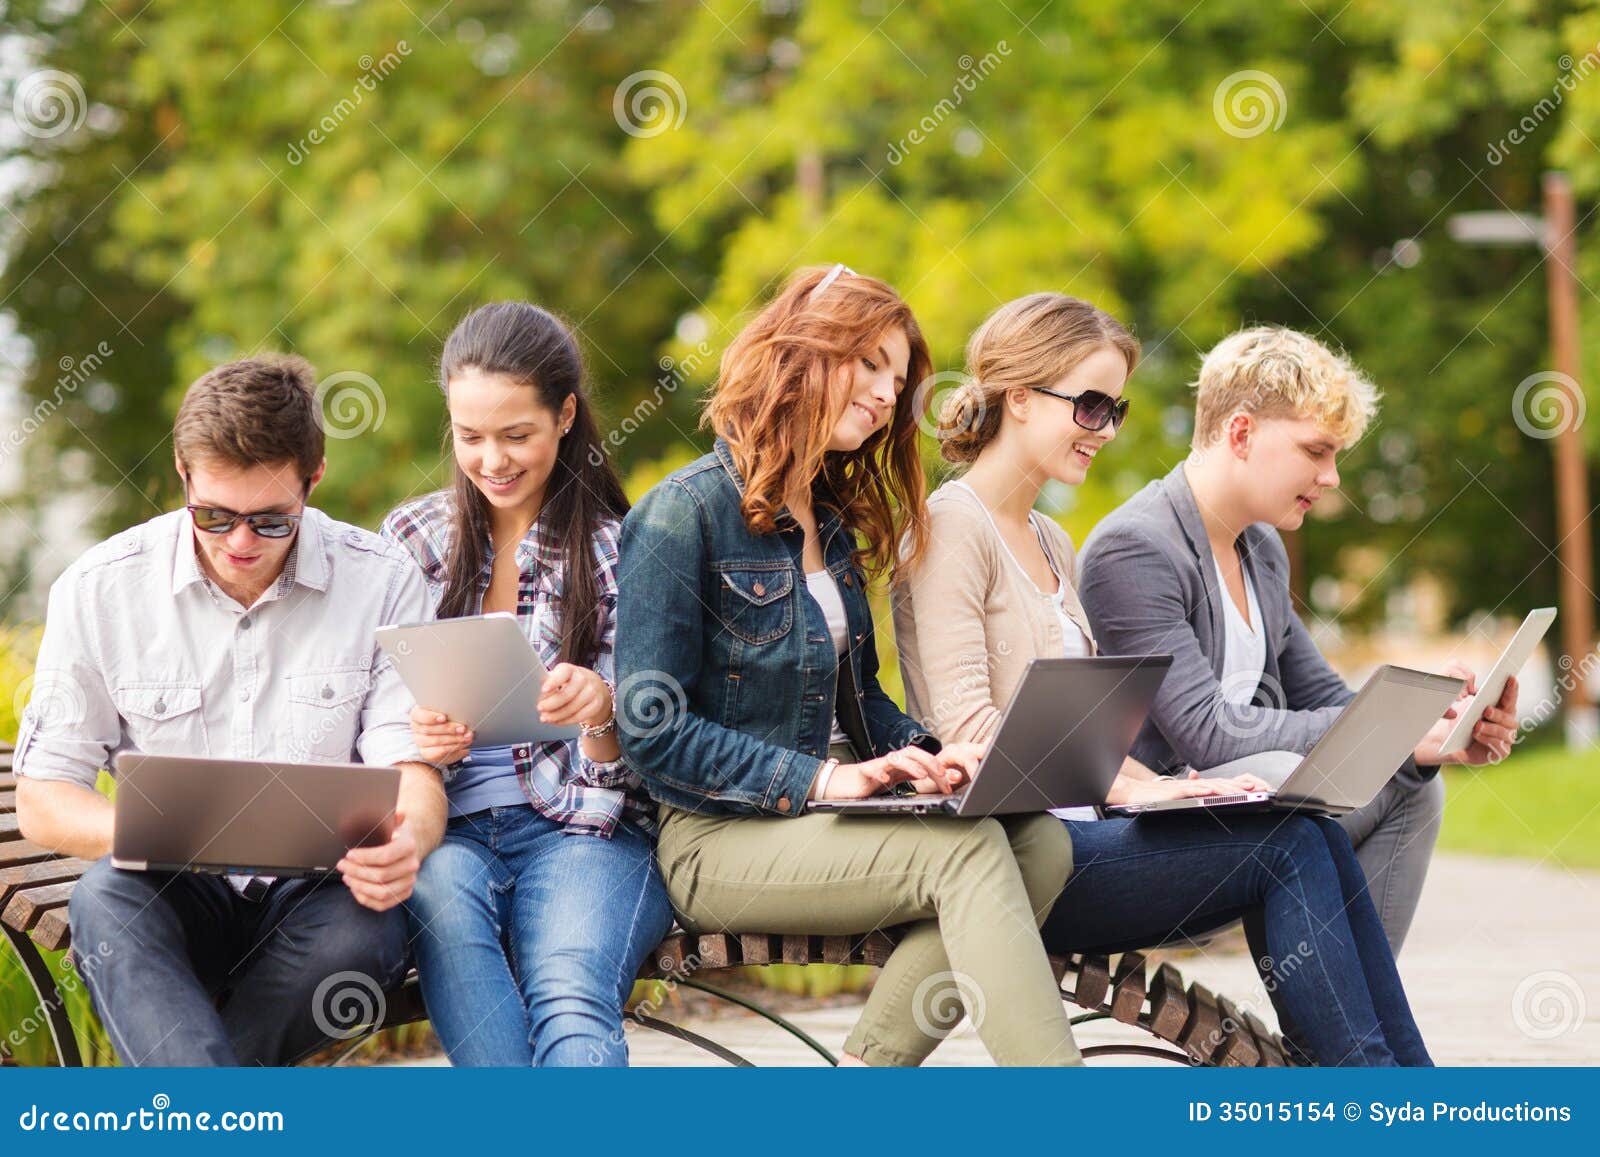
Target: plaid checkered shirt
(588, 798)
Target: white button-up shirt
(143, 652)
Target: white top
(825, 590)
(1074, 644)
(1244, 650)
(143, 652)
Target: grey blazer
(1149, 585)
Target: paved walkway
(1503, 967)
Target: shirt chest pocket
(756, 604)
(163, 718)
(324, 714)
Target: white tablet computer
(1517, 652)
(481, 671)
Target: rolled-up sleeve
(385, 737)
(71, 724)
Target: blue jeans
(528, 939)
(194, 974)
(1294, 880)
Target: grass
(1542, 803)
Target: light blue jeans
(528, 939)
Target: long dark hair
(516, 340)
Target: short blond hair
(1269, 371)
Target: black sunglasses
(1092, 409)
(218, 520)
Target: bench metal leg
(51, 1002)
(792, 1029)
(693, 1038)
(1171, 1055)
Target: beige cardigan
(969, 620)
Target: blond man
(1193, 566)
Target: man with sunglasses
(238, 627)
(1193, 566)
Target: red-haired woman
(748, 686)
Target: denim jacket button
(783, 803)
(848, 581)
(760, 589)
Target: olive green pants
(972, 894)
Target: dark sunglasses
(217, 520)
(1092, 409)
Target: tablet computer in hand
(1490, 688)
(481, 671)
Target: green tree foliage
(652, 170)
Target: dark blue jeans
(194, 974)
(528, 939)
(1293, 880)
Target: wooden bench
(1188, 1023)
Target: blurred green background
(185, 183)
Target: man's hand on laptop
(1492, 738)
(441, 740)
(941, 773)
(1128, 789)
(381, 877)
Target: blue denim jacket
(728, 682)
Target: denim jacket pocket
(756, 605)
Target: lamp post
(1555, 235)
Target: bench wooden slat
(32, 875)
(22, 852)
(1238, 1048)
(1266, 1043)
(796, 949)
(717, 950)
(877, 948)
(756, 948)
(8, 829)
(8, 803)
(837, 949)
(1202, 1036)
(1094, 981)
(26, 906)
(1169, 1004)
(52, 931)
(670, 958)
(1128, 989)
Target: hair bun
(961, 423)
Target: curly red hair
(779, 394)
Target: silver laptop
(178, 813)
(1060, 743)
(1350, 763)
